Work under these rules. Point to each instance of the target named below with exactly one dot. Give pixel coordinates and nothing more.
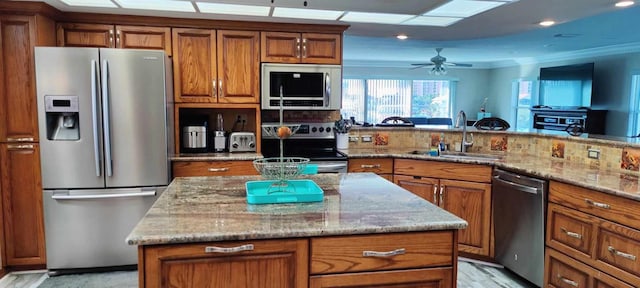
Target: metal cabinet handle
(117, 38)
(571, 234)
(214, 249)
(435, 194)
(370, 166)
(441, 194)
(621, 254)
(391, 253)
(218, 169)
(214, 83)
(304, 48)
(597, 204)
(110, 38)
(20, 139)
(298, 47)
(20, 146)
(221, 93)
(568, 281)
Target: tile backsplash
(611, 155)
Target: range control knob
(328, 129)
(314, 129)
(321, 129)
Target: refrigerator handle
(94, 106)
(106, 118)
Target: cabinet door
(260, 263)
(321, 48)
(142, 37)
(85, 35)
(18, 110)
(194, 65)
(415, 278)
(238, 66)
(472, 202)
(280, 47)
(22, 204)
(426, 188)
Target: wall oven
(315, 141)
(302, 86)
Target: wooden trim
(454, 276)
(218, 105)
(29, 8)
(141, 265)
(200, 23)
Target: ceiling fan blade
(458, 64)
(420, 65)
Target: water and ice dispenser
(63, 118)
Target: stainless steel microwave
(301, 86)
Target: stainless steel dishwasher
(519, 205)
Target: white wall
(471, 88)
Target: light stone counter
(608, 181)
(201, 209)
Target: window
(634, 107)
(523, 93)
(373, 100)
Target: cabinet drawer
(560, 269)
(571, 230)
(617, 209)
(381, 252)
(213, 168)
(431, 277)
(443, 170)
(619, 247)
(374, 165)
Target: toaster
(242, 142)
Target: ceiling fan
(439, 62)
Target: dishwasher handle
(513, 185)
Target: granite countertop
(201, 209)
(235, 156)
(607, 181)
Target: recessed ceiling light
(402, 36)
(624, 3)
(547, 23)
(306, 13)
(162, 5)
(233, 9)
(381, 18)
(432, 21)
(463, 8)
(90, 3)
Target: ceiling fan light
(438, 70)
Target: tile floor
(470, 275)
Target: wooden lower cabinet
(427, 259)
(264, 263)
(381, 166)
(467, 200)
(22, 212)
(415, 278)
(212, 168)
(563, 271)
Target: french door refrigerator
(103, 121)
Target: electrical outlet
(366, 138)
(593, 153)
(353, 138)
(240, 118)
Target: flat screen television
(566, 87)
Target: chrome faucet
(462, 117)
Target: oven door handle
(332, 168)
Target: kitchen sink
(460, 155)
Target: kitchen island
(366, 232)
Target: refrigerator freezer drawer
(87, 228)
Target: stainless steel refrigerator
(103, 118)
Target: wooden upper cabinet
(286, 47)
(86, 35)
(118, 36)
(194, 65)
(238, 66)
(22, 204)
(142, 37)
(18, 110)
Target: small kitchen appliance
(219, 136)
(194, 137)
(242, 142)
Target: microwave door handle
(327, 89)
